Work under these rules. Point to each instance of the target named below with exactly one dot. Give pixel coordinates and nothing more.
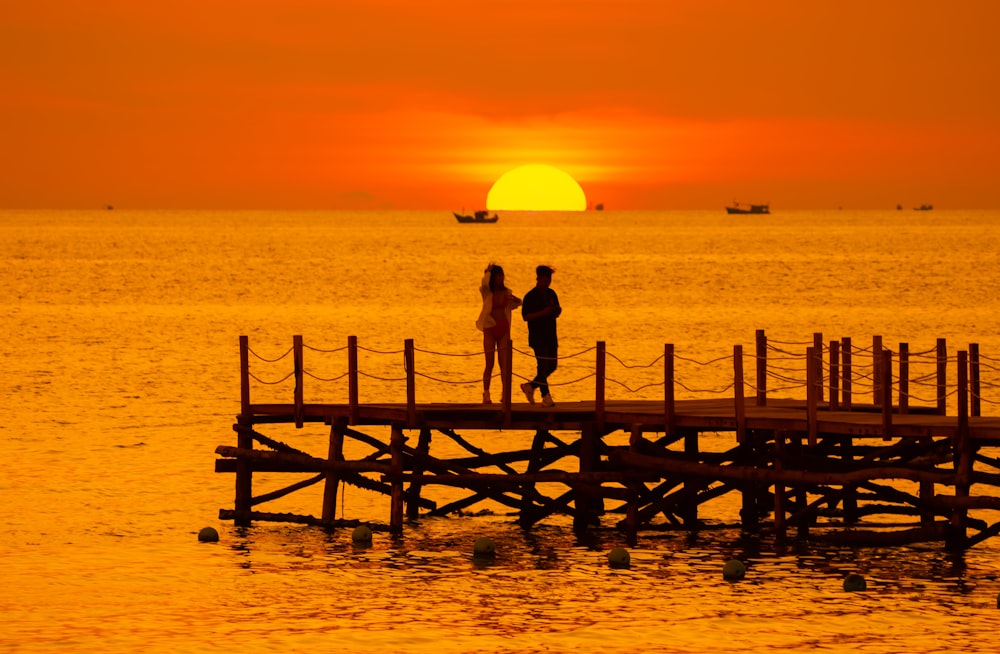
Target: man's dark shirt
(541, 331)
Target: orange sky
(403, 104)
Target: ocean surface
(121, 376)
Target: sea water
(121, 376)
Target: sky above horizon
(391, 104)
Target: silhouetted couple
(540, 310)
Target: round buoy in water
(484, 547)
(734, 570)
(619, 558)
(854, 581)
(362, 534)
(208, 535)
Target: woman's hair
(496, 272)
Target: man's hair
(543, 271)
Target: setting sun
(536, 187)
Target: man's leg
(547, 362)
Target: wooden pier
(850, 453)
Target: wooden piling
(847, 354)
(668, 388)
(299, 386)
(739, 401)
(335, 453)
(599, 381)
(411, 382)
(834, 375)
(244, 375)
(396, 475)
(761, 367)
(352, 379)
(878, 375)
(818, 346)
(886, 400)
(812, 396)
(975, 406)
(942, 376)
(904, 378)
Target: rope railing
(835, 372)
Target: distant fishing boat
(477, 217)
(753, 208)
(924, 207)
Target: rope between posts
(568, 356)
(287, 352)
(632, 390)
(366, 349)
(316, 349)
(270, 383)
(325, 379)
(625, 365)
(448, 354)
(703, 390)
(385, 379)
(706, 363)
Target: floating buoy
(208, 535)
(734, 570)
(854, 582)
(484, 547)
(619, 558)
(362, 535)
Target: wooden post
(761, 368)
(396, 441)
(244, 473)
(834, 375)
(846, 355)
(974, 397)
(811, 396)
(244, 375)
(942, 376)
(747, 456)
(801, 496)
(668, 388)
(299, 390)
(352, 379)
(877, 373)
(926, 490)
(904, 378)
(335, 453)
(411, 384)
(818, 345)
(738, 397)
(886, 400)
(632, 508)
(963, 454)
(601, 368)
(850, 501)
(585, 497)
(779, 488)
(507, 377)
(689, 509)
(413, 496)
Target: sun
(536, 187)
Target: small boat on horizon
(477, 217)
(924, 207)
(753, 208)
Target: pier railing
(837, 375)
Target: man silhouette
(540, 310)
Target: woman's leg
(489, 350)
(502, 344)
